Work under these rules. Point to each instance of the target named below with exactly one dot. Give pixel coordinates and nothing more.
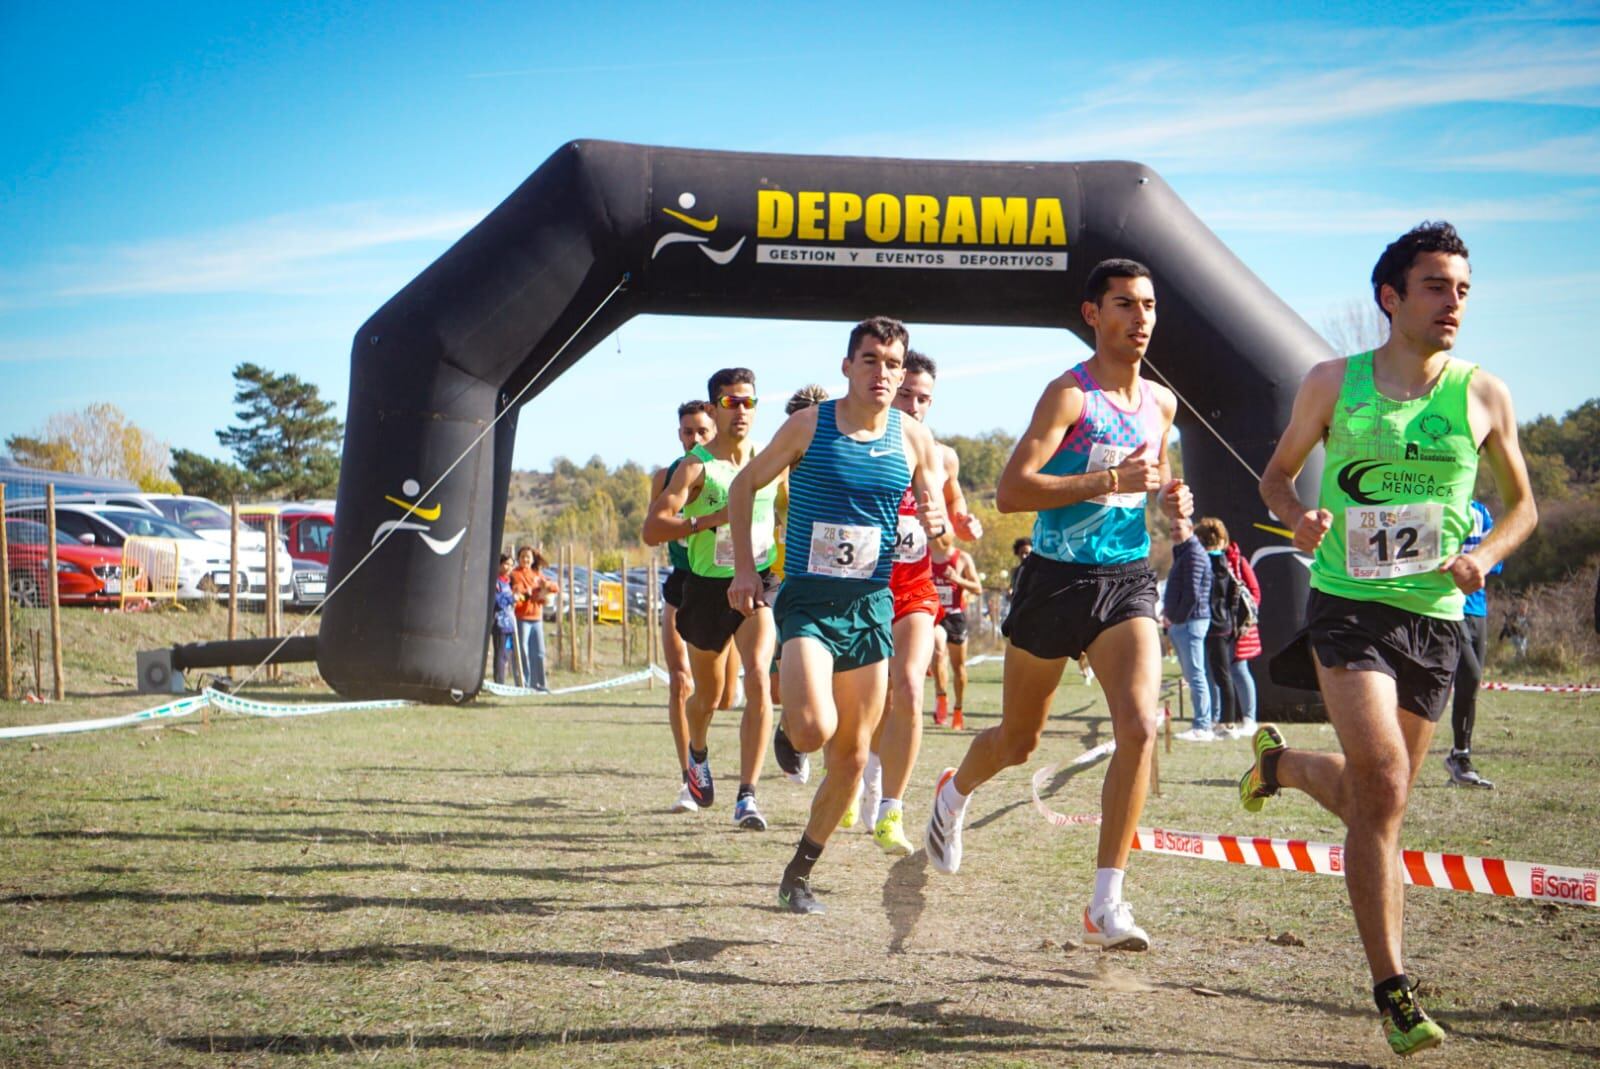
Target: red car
(85, 575)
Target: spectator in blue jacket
(1186, 606)
(505, 620)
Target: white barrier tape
(983, 658)
(182, 707)
(1064, 820)
(1458, 872)
(232, 703)
(505, 691)
(1546, 688)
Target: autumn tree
(100, 441)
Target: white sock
(954, 801)
(1107, 886)
(885, 807)
(872, 775)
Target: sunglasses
(725, 401)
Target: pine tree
(286, 438)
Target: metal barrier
(149, 569)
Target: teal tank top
(844, 503)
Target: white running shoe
(871, 795)
(1247, 728)
(685, 802)
(1196, 735)
(1111, 927)
(943, 837)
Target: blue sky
(188, 188)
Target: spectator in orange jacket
(529, 587)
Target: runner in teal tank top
(694, 506)
(1403, 426)
(695, 427)
(849, 462)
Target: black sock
(699, 756)
(746, 791)
(1381, 992)
(686, 775)
(1269, 768)
(805, 855)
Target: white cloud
(1575, 155)
(1326, 211)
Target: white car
(203, 566)
(201, 515)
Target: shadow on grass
(326, 834)
(576, 874)
(903, 898)
(498, 773)
(520, 906)
(931, 1031)
(678, 961)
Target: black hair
(921, 362)
(505, 558)
(689, 408)
(805, 397)
(1396, 261)
(728, 376)
(1100, 277)
(883, 328)
(1017, 546)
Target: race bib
(844, 551)
(760, 545)
(1104, 457)
(947, 596)
(1385, 542)
(911, 541)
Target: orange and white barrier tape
(1457, 872)
(1545, 688)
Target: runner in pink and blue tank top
(1110, 528)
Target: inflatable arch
(604, 231)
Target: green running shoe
(890, 835)
(1253, 792)
(1407, 1028)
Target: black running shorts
(672, 587)
(955, 627)
(1059, 609)
(705, 619)
(1418, 652)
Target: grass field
(502, 884)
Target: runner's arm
(967, 526)
(1308, 424)
(782, 453)
(928, 479)
(1503, 453)
(966, 576)
(1174, 496)
(662, 522)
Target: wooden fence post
(650, 634)
(53, 582)
(624, 608)
(572, 609)
(593, 593)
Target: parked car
(310, 583)
(201, 515)
(203, 566)
(85, 575)
(307, 529)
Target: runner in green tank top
(695, 427)
(1403, 426)
(693, 506)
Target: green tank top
(1397, 477)
(677, 552)
(711, 551)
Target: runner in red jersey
(954, 577)
(916, 603)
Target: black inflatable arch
(605, 231)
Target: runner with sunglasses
(849, 462)
(1093, 455)
(898, 740)
(695, 427)
(699, 491)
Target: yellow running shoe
(852, 814)
(1253, 790)
(891, 836)
(1407, 1028)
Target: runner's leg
(941, 663)
(1127, 659)
(730, 678)
(1029, 687)
(901, 736)
(679, 682)
(857, 698)
(754, 641)
(958, 670)
(706, 668)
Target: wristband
(1113, 472)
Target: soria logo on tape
(1565, 888)
(1336, 859)
(1183, 844)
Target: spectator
(505, 620)
(1247, 643)
(1213, 535)
(1186, 607)
(530, 588)
(1516, 628)
(1022, 548)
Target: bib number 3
(844, 551)
(1383, 543)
